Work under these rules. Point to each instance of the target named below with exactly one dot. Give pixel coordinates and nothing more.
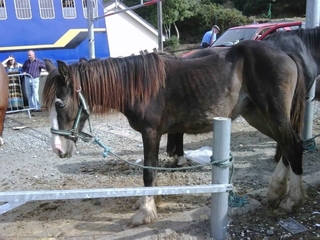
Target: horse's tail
(298, 104)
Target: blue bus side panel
(55, 39)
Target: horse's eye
(60, 104)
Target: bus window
(85, 10)
(46, 9)
(3, 10)
(23, 9)
(69, 9)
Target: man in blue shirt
(209, 37)
(33, 67)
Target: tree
(175, 11)
(238, 4)
(255, 7)
(172, 12)
(207, 14)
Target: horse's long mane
(310, 37)
(114, 83)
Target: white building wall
(128, 36)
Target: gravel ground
(29, 164)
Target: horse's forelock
(54, 83)
(50, 88)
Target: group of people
(32, 68)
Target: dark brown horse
(287, 42)
(161, 95)
(304, 43)
(4, 90)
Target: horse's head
(68, 110)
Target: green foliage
(178, 10)
(282, 8)
(172, 42)
(192, 18)
(208, 14)
(255, 7)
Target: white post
(220, 175)
(160, 34)
(90, 29)
(312, 21)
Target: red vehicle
(253, 31)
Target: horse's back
(207, 52)
(257, 59)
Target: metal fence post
(220, 175)
(312, 21)
(92, 53)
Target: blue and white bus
(54, 29)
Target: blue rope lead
(237, 201)
(106, 149)
(234, 200)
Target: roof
(114, 6)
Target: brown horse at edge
(4, 86)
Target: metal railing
(17, 94)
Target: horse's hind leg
(278, 184)
(252, 116)
(295, 195)
(279, 195)
(175, 148)
(279, 128)
(171, 144)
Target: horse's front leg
(147, 211)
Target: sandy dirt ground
(27, 164)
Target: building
(127, 32)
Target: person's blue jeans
(32, 89)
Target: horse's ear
(49, 65)
(64, 71)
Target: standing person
(210, 37)
(33, 66)
(10, 63)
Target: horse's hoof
(147, 213)
(127, 226)
(140, 218)
(279, 212)
(184, 165)
(276, 192)
(274, 203)
(291, 205)
(1, 141)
